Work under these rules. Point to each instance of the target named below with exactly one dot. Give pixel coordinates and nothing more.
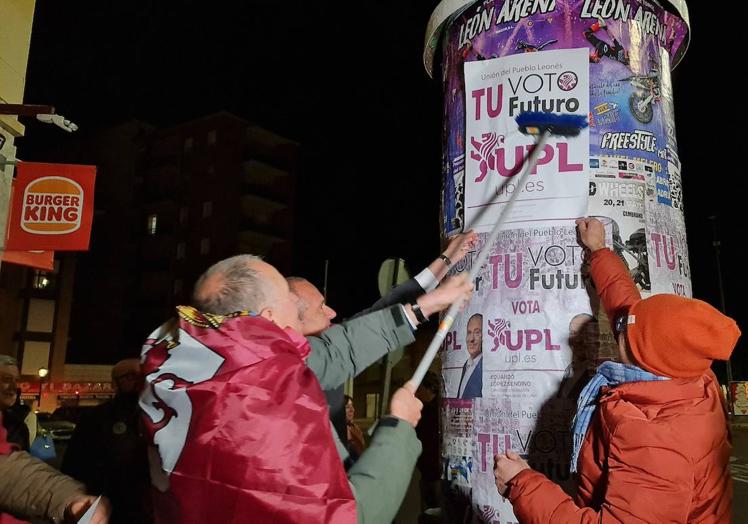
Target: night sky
(346, 81)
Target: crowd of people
(235, 412)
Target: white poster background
(499, 89)
(532, 296)
(495, 431)
(531, 280)
(666, 238)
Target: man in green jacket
(380, 477)
(316, 315)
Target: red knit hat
(679, 337)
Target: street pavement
(739, 468)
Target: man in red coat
(650, 435)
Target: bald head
(231, 285)
(127, 377)
(246, 283)
(314, 313)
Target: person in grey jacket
(380, 477)
(316, 315)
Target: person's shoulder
(17, 412)
(663, 423)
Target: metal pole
(348, 386)
(386, 361)
(26, 110)
(324, 284)
(722, 307)
(481, 259)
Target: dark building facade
(169, 202)
(212, 188)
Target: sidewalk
(739, 467)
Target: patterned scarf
(608, 374)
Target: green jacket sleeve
(382, 474)
(30, 488)
(347, 349)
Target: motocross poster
(631, 46)
(666, 227)
(620, 187)
(541, 329)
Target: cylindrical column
(520, 353)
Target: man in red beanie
(650, 434)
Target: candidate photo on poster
(471, 380)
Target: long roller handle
(449, 318)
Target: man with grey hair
(230, 370)
(231, 285)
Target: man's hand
(591, 233)
(405, 406)
(450, 290)
(81, 503)
(460, 245)
(505, 468)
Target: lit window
(188, 143)
(212, 136)
(181, 250)
(184, 214)
(42, 280)
(207, 208)
(372, 405)
(152, 224)
(204, 246)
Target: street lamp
(42, 372)
(44, 114)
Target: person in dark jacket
(108, 453)
(429, 463)
(355, 439)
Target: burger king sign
(52, 207)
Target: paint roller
(541, 126)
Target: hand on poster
(591, 233)
(451, 290)
(459, 245)
(506, 467)
(405, 406)
(79, 506)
